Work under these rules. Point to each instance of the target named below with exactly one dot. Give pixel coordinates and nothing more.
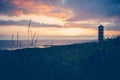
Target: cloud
(94, 9)
(7, 7)
(115, 27)
(3, 35)
(25, 23)
(82, 9)
(109, 24)
(51, 8)
(106, 12)
(81, 25)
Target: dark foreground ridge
(87, 61)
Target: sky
(58, 19)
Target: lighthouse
(100, 33)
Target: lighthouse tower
(100, 33)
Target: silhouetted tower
(100, 33)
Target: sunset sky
(59, 19)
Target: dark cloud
(25, 23)
(7, 7)
(92, 9)
(3, 35)
(115, 26)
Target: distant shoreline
(7, 44)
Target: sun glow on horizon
(44, 31)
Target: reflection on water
(7, 44)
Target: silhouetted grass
(12, 43)
(29, 24)
(33, 39)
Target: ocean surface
(8, 44)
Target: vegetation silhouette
(86, 61)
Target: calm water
(8, 44)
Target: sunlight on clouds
(62, 31)
(43, 9)
(94, 22)
(87, 21)
(72, 31)
(63, 1)
(45, 31)
(35, 18)
(48, 20)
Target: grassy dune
(86, 61)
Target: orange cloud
(42, 8)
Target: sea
(14, 44)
